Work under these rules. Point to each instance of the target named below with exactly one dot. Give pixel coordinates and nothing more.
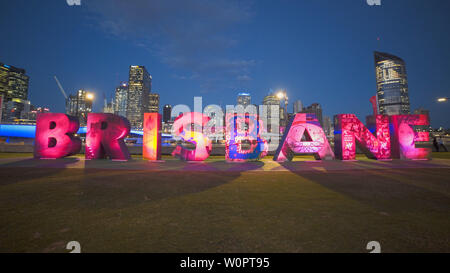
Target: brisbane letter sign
(384, 138)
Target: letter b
(54, 136)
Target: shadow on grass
(388, 190)
(30, 169)
(102, 188)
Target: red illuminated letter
(404, 137)
(349, 130)
(183, 127)
(54, 136)
(104, 137)
(152, 136)
(316, 142)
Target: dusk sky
(318, 50)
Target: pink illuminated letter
(104, 137)
(54, 136)
(349, 130)
(152, 136)
(183, 127)
(404, 137)
(304, 125)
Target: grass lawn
(441, 155)
(406, 210)
(358, 156)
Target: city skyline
(250, 70)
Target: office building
(13, 83)
(35, 111)
(297, 107)
(328, 126)
(153, 103)
(80, 105)
(108, 108)
(1, 107)
(392, 85)
(314, 108)
(120, 99)
(16, 109)
(167, 111)
(139, 88)
(269, 101)
(244, 99)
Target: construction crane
(61, 88)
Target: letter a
(291, 142)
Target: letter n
(105, 137)
(54, 136)
(348, 131)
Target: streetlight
(87, 108)
(90, 96)
(283, 95)
(280, 95)
(443, 99)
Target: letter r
(105, 137)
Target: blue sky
(319, 50)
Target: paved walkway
(172, 164)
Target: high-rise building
(80, 105)
(153, 103)
(16, 109)
(13, 83)
(139, 88)
(120, 99)
(167, 111)
(298, 106)
(273, 100)
(1, 107)
(314, 108)
(244, 99)
(392, 85)
(36, 110)
(108, 108)
(328, 126)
